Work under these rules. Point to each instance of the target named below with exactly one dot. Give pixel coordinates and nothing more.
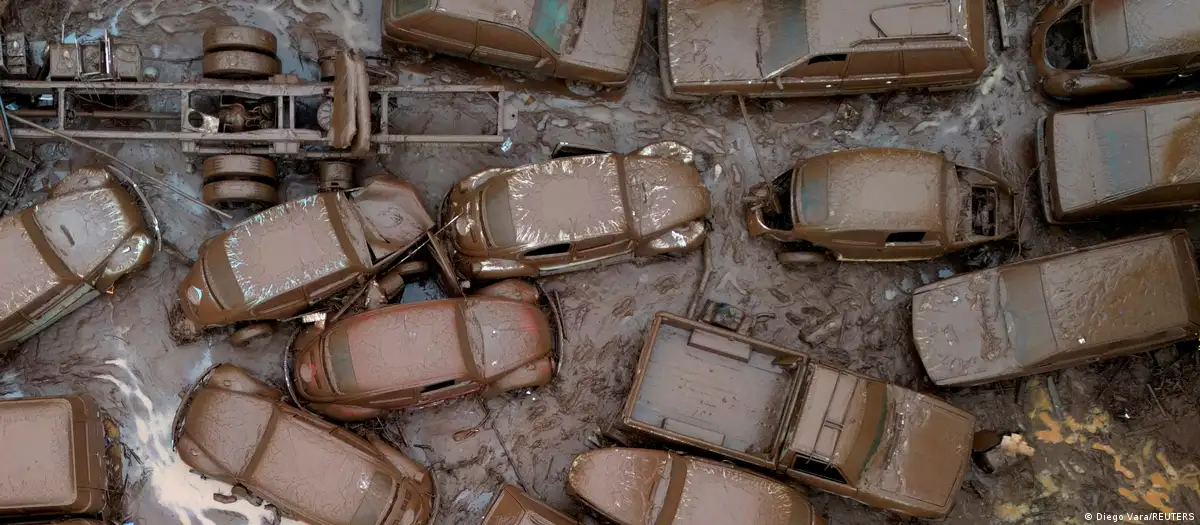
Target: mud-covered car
(1049, 313)
(55, 458)
(633, 486)
(66, 251)
(513, 506)
(773, 408)
(236, 429)
(760, 48)
(1128, 156)
(283, 260)
(593, 41)
(1088, 47)
(880, 204)
(419, 353)
(577, 211)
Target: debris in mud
(224, 499)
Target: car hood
(959, 330)
(27, 275)
(620, 483)
(609, 36)
(712, 41)
(664, 193)
(928, 449)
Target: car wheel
(239, 38)
(247, 167)
(335, 176)
(239, 194)
(798, 258)
(250, 333)
(236, 64)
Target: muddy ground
(1117, 436)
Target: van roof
(41, 473)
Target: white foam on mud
(176, 489)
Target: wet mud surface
(1112, 437)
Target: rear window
(1023, 303)
(408, 7)
(814, 193)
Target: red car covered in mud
(236, 429)
(66, 251)
(280, 262)
(415, 354)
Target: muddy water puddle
(117, 349)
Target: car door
(510, 47)
(929, 67)
(600, 248)
(819, 75)
(438, 30)
(872, 71)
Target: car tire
(239, 167)
(236, 64)
(800, 258)
(250, 333)
(411, 268)
(239, 194)
(239, 38)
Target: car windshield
(555, 21)
(784, 35)
(871, 434)
(1027, 322)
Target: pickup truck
(769, 407)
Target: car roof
(1116, 291)
(1102, 152)
(293, 244)
(841, 24)
(400, 346)
(298, 463)
(41, 472)
(883, 189)
(28, 275)
(565, 200)
(1144, 29)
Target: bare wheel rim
(244, 38)
(250, 167)
(239, 65)
(239, 194)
